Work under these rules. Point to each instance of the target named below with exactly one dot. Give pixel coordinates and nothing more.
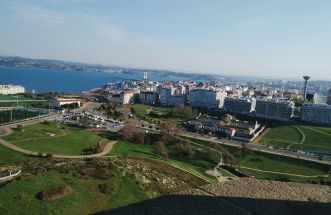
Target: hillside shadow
(208, 205)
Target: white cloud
(36, 15)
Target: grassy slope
(8, 156)
(314, 140)
(281, 164)
(273, 163)
(140, 109)
(282, 133)
(72, 143)
(197, 166)
(84, 199)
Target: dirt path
(13, 147)
(302, 139)
(258, 139)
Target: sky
(266, 38)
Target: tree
(19, 127)
(185, 148)
(133, 134)
(161, 149)
(127, 132)
(169, 128)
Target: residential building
(207, 98)
(239, 105)
(316, 113)
(178, 100)
(210, 124)
(165, 95)
(328, 100)
(149, 97)
(9, 89)
(274, 109)
(319, 99)
(129, 96)
(246, 131)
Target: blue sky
(268, 38)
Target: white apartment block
(8, 89)
(274, 109)
(207, 98)
(58, 102)
(316, 113)
(239, 105)
(128, 96)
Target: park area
(299, 137)
(156, 114)
(54, 138)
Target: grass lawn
(24, 104)
(143, 110)
(126, 191)
(316, 138)
(72, 142)
(197, 166)
(8, 156)
(15, 97)
(84, 198)
(275, 163)
(282, 136)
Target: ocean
(43, 80)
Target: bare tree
(169, 128)
(161, 149)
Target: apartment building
(9, 89)
(276, 109)
(316, 113)
(239, 105)
(207, 98)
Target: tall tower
(145, 76)
(305, 87)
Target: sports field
(301, 137)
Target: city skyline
(276, 39)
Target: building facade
(149, 97)
(129, 96)
(206, 98)
(58, 102)
(328, 99)
(316, 113)
(274, 109)
(239, 105)
(8, 89)
(165, 95)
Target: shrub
(105, 188)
